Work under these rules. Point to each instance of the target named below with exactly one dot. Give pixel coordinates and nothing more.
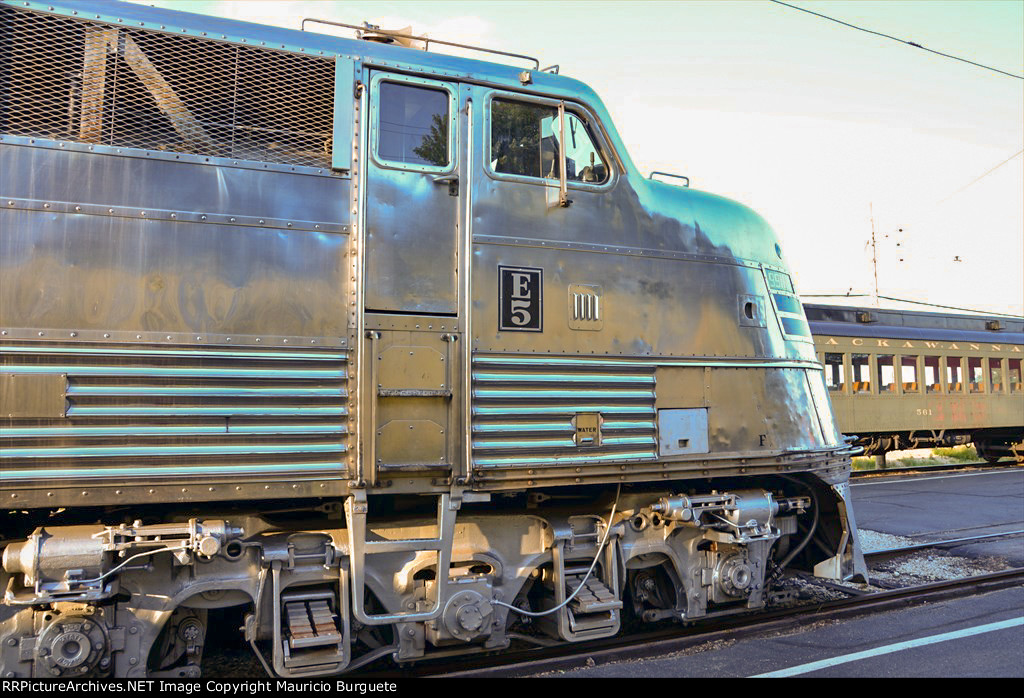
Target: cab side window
(413, 125)
(583, 161)
(526, 140)
(523, 139)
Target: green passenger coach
(901, 380)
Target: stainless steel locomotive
(901, 379)
(396, 350)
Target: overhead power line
(902, 41)
(907, 300)
(953, 307)
(982, 176)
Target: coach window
(1013, 375)
(834, 372)
(975, 374)
(931, 375)
(954, 374)
(995, 375)
(886, 373)
(413, 127)
(860, 373)
(908, 374)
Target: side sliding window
(545, 141)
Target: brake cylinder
(49, 554)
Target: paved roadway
(945, 506)
(982, 636)
(934, 640)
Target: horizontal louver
(523, 410)
(145, 412)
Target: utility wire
(905, 300)
(953, 307)
(902, 41)
(981, 176)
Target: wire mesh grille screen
(68, 79)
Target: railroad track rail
(890, 552)
(679, 639)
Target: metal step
(594, 597)
(311, 624)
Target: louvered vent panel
(74, 80)
(143, 411)
(523, 410)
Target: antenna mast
(874, 251)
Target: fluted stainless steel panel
(148, 411)
(523, 409)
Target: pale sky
(810, 123)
